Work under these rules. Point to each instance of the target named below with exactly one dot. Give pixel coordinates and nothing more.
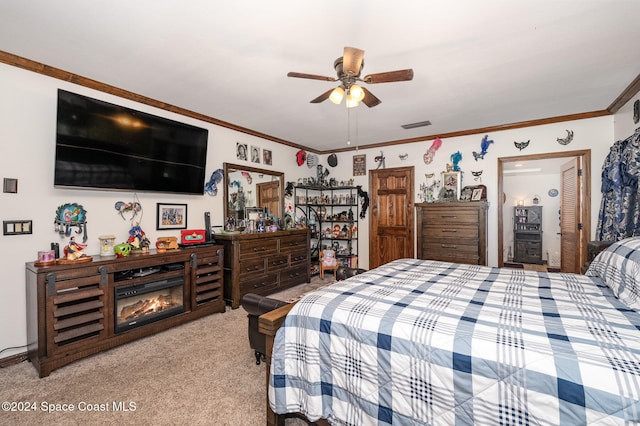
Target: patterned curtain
(620, 209)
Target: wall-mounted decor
(255, 154)
(380, 160)
(521, 145)
(211, 187)
(70, 216)
(636, 111)
(360, 165)
(431, 152)
(241, 151)
(267, 157)
(477, 175)
(567, 140)
(456, 158)
(553, 192)
(171, 216)
(484, 146)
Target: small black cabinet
(527, 234)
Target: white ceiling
(476, 63)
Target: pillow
(619, 268)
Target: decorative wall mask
(211, 187)
(484, 146)
(312, 160)
(403, 156)
(380, 160)
(365, 201)
(477, 175)
(522, 145)
(431, 152)
(567, 140)
(456, 157)
(301, 157)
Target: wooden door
(391, 223)
(570, 221)
(269, 196)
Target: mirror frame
(234, 167)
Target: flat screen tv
(100, 145)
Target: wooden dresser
(264, 263)
(453, 231)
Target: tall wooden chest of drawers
(264, 263)
(453, 231)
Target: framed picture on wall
(255, 154)
(241, 151)
(171, 216)
(360, 165)
(266, 157)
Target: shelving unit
(527, 234)
(331, 213)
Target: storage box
(192, 236)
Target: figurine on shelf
(73, 250)
(138, 239)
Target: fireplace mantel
(70, 307)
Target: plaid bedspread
(419, 342)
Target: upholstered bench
(256, 305)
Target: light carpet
(200, 373)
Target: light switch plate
(10, 186)
(17, 227)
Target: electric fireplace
(139, 304)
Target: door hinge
(579, 172)
(579, 227)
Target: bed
(418, 342)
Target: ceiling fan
(348, 68)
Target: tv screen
(100, 145)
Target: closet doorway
(577, 204)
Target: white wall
(27, 133)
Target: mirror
(248, 189)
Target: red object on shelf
(192, 236)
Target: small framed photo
(479, 193)
(467, 193)
(255, 154)
(360, 165)
(266, 157)
(254, 213)
(450, 186)
(241, 151)
(171, 216)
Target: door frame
(585, 195)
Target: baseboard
(13, 359)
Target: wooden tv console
(70, 307)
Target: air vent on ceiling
(414, 125)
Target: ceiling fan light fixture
(356, 92)
(351, 102)
(336, 95)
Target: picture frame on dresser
(450, 186)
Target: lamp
(356, 92)
(351, 101)
(336, 95)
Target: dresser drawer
(258, 247)
(261, 283)
(442, 216)
(293, 243)
(451, 230)
(252, 267)
(293, 276)
(442, 249)
(277, 262)
(299, 258)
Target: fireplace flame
(146, 307)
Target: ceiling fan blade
(370, 99)
(322, 97)
(352, 61)
(310, 76)
(389, 77)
